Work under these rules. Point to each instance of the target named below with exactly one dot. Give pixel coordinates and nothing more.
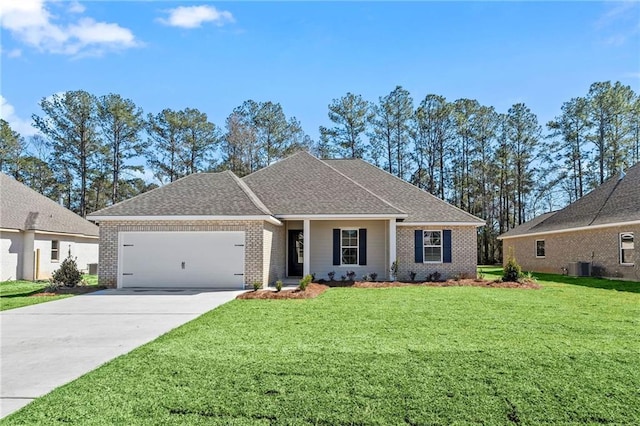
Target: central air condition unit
(584, 269)
(579, 269)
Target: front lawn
(16, 294)
(565, 354)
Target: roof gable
(304, 185)
(617, 200)
(199, 194)
(23, 208)
(420, 205)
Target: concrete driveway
(47, 345)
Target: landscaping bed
(449, 283)
(312, 290)
(467, 282)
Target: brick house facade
(345, 215)
(601, 228)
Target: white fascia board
(579, 228)
(341, 216)
(267, 218)
(440, 224)
(37, 231)
(66, 234)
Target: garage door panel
(182, 259)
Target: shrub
(278, 285)
(480, 275)
(394, 269)
(51, 287)
(313, 276)
(351, 275)
(343, 277)
(412, 275)
(435, 277)
(366, 277)
(68, 273)
(304, 282)
(512, 270)
(331, 275)
(256, 285)
(374, 276)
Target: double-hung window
(432, 246)
(55, 250)
(349, 246)
(540, 250)
(626, 248)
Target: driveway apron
(47, 345)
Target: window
(55, 245)
(539, 248)
(349, 246)
(626, 248)
(432, 241)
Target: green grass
(565, 354)
(492, 272)
(16, 294)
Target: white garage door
(181, 259)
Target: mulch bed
(467, 282)
(70, 290)
(312, 290)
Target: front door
(295, 253)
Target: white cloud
(8, 113)
(195, 16)
(32, 23)
(76, 7)
(14, 53)
(619, 23)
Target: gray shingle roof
(420, 205)
(302, 184)
(200, 194)
(525, 227)
(616, 200)
(23, 208)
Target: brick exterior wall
(274, 253)
(600, 246)
(108, 262)
(463, 253)
(265, 248)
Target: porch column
(392, 244)
(306, 248)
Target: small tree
(68, 273)
(512, 270)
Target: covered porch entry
(323, 245)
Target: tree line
(504, 167)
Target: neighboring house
(36, 234)
(601, 228)
(300, 215)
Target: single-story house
(595, 235)
(298, 216)
(36, 234)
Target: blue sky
(215, 55)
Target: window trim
(425, 245)
(620, 248)
(544, 249)
(357, 247)
(56, 251)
